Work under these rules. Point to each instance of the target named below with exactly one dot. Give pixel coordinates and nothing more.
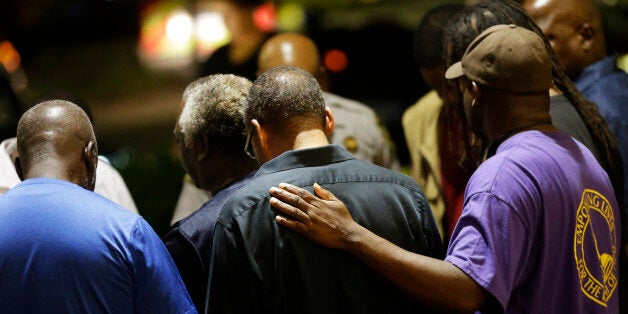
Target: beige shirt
(420, 127)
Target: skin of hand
(323, 219)
(326, 221)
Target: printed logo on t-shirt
(595, 248)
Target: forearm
(433, 282)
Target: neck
(53, 170)
(231, 170)
(512, 115)
(309, 139)
(302, 140)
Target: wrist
(354, 238)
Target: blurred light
(612, 3)
(211, 33)
(264, 17)
(179, 27)
(335, 60)
(120, 159)
(291, 17)
(9, 57)
(166, 36)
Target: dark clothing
(606, 85)
(566, 118)
(259, 266)
(190, 242)
(219, 63)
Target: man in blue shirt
(210, 135)
(65, 249)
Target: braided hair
(484, 14)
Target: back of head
(212, 106)
(54, 132)
(428, 37)
(289, 49)
(286, 99)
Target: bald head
(574, 29)
(55, 139)
(289, 49)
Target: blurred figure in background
(72, 250)
(239, 56)
(109, 182)
(432, 134)
(210, 137)
(356, 126)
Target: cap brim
(454, 71)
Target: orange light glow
(9, 57)
(336, 60)
(264, 17)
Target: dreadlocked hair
(484, 14)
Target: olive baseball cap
(508, 58)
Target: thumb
(324, 194)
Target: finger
(292, 224)
(285, 196)
(302, 193)
(293, 212)
(324, 194)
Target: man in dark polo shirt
(257, 266)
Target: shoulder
(425, 110)
(344, 106)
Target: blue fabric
(258, 266)
(190, 242)
(64, 249)
(607, 86)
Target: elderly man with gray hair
(209, 135)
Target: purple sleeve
(491, 244)
(157, 285)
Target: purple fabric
(536, 215)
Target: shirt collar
(591, 74)
(309, 157)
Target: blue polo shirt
(64, 249)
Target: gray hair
(212, 105)
(285, 97)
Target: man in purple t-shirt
(539, 232)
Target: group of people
(514, 204)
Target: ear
(329, 122)
(202, 147)
(261, 136)
(90, 156)
(587, 33)
(18, 167)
